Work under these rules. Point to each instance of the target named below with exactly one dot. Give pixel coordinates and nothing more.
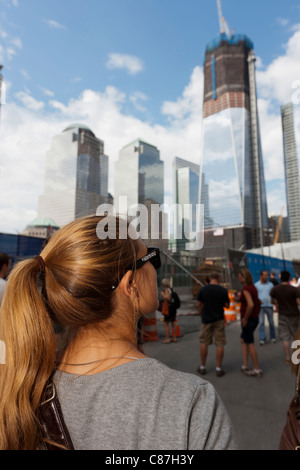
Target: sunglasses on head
(153, 256)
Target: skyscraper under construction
(235, 204)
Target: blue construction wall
(256, 263)
(20, 246)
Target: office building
(186, 191)
(231, 159)
(40, 228)
(139, 179)
(76, 176)
(290, 118)
(139, 174)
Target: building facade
(290, 118)
(76, 176)
(231, 159)
(40, 228)
(139, 174)
(186, 192)
(139, 179)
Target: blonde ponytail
(80, 270)
(30, 343)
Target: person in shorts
(250, 308)
(287, 301)
(211, 301)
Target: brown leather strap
(54, 430)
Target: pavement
(257, 406)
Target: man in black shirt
(287, 301)
(211, 301)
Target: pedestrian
(264, 288)
(5, 265)
(294, 282)
(287, 300)
(169, 311)
(250, 308)
(273, 279)
(211, 301)
(112, 396)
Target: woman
(112, 396)
(250, 308)
(169, 312)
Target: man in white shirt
(5, 263)
(264, 288)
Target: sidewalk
(257, 407)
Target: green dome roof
(42, 222)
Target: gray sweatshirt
(143, 405)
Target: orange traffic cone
(178, 334)
(149, 329)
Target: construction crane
(223, 24)
(278, 228)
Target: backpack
(175, 300)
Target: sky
(130, 69)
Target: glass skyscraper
(290, 118)
(231, 160)
(76, 176)
(139, 174)
(186, 191)
(139, 179)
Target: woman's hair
(247, 276)
(75, 291)
(166, 282)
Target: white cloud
(136, 99)
(16, 42)
(10, 3)
(272, 144)
(25, 74)
(8, 46)
(76, 79)
(191, 100)
(259, 63)
(10, 53)
(130, 63)
(276, 86)
(225, 189)
(54, 24)
(276, 199)
(47, 92)
(29, 102)
(3, 34)
(282, 21)
(276, 81)
(295, 27)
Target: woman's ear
(127, 285)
